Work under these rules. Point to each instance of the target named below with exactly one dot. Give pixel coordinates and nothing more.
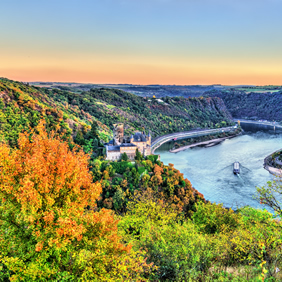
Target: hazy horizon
(181, 42)
(155, 84)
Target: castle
(119, 145)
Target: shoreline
(257, 122)
(208, 143)
(158, 141)
(271, 169)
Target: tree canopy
(49, 226)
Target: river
(210, 169)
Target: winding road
(157, 142)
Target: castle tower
(118, 132)
(148, 139)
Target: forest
(67, 214)
(22, 106)
(253, 105)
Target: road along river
(210, 169)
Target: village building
(120, 144)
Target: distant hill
(156, 90)
(251, 105)
(22, 107)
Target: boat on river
(236, 168)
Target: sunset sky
(142, 41)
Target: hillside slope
(110, 106)
(22, 107)
(267, 106)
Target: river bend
(210, 169)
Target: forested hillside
(110, 106)
(72, 114)
(266, 106)
(22, 107)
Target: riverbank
(274, 124)
(269, 165)
(272, 170)
(208, 143)
(157, 142)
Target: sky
(231, 42)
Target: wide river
(210, 169)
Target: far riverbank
(208, 143)
(274, 124)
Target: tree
(138, 155)
(79, 139)
(223, 123)
(145, 179)
(49, 229)
(271, 195)
(94, 133)
(124, 157)
(177, 249)
(213, 218)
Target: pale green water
(210, 169)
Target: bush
(213, 218)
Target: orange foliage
(158, 170)
(45, 189)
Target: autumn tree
(49, 229)
(271, 195)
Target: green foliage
(93, 134)
(177, 114)
(152, 158)
(120, 167)
(124, 157)
(243, 247)
(90, 115)
(22, 107)
(265, 106)
(213, 218)
(168, 181)
(138, 155)
(167, 222)
(79, 139)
